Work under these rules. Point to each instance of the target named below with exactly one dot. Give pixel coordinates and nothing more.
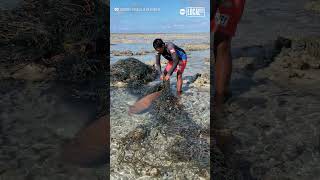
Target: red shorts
(180, 67)
(227, 17)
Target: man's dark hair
(158, 43)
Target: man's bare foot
(221, 134)
(223, 139)
(218, 103)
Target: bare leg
(179, 83)
(223, 67)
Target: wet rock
(196, 47)
(142, 53)
(122, 53)
(204, 174)
(119, 84)
(129, 53)
(191, 79)
(138, 134)
(154, 172)
(298, 63)
(203, 81)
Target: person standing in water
(225, 16)
(177, 61)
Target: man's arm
(174, 58)
(158, 65)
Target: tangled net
(172, 145)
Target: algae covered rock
(132, 70)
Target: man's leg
(229, 19)
(179, 83)
(182, 65)
(223, 67)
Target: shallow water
(196, 59)
(195, 103)
(148, 38)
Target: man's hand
(161, 77)
(167, 77)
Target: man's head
(158, 45)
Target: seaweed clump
(132, 71)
